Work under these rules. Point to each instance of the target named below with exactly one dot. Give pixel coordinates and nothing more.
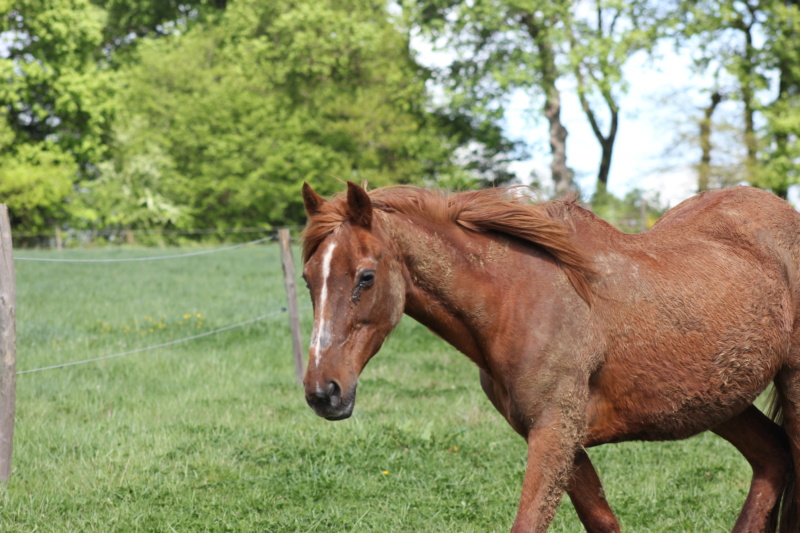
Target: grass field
(213, 434)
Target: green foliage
(56, 106)
(166, 114)
(754, 44)
(495, 54)
(780, 139)
(627, 213)
(127, 21)
(200, 114)
(134, 190)
(506, 45)
(55, 90)
(781, 159)
(273, 95)
(35, 181)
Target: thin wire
(107, 233)
(150, 258)
(162, 345)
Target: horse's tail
(784, 517)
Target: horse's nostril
(334, 393)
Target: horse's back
(723, 210)
(744, 219)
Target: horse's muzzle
(329, 402)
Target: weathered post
(8, 342)
(289, 280)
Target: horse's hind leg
(587, 497)
(764, 444)
(788, 384)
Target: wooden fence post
(8, 343)
(289, 280)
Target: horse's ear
(312, 200)
(359, 206)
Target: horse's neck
(456, 281)
(466, 287)
(443, 291)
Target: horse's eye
(366, 278)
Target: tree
(502, 46)
(752, 42)
(704, 169)
(56, 92)
(55, 105)
(781, 138)
(240, 110)
(199, 113)
(35, 182)
(505, 45)
(599, 47)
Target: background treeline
(210, 114)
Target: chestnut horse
(583, 335)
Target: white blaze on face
(321, 336)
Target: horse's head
(358, 292)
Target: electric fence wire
(156, 346)
(148, 258)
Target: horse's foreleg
(588, 498)
(583, 486)
(763, 443)
(549, 465)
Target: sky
(647, 154)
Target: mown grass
(213, 434)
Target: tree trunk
(748, 95)
(561, 173)
(607, 145)
(606, 141)
(704, 170)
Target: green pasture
(213, 434)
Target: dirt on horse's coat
(583, 335)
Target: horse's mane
(502, 210)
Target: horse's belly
(683, 380)
(674, 404)
(660, 421)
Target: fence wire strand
(149, 258)
(162, 345)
